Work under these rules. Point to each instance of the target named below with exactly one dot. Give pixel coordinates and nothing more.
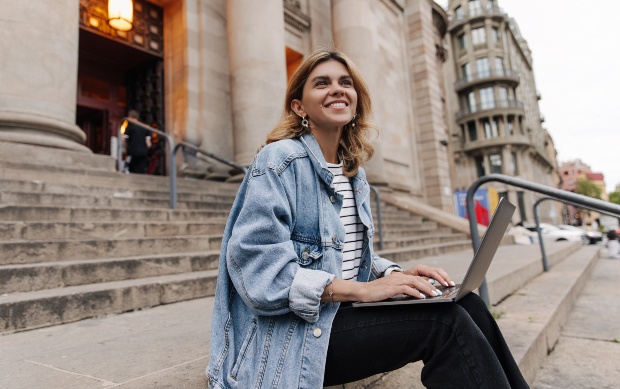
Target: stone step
(115, 180)
(412, 231)
(420, 240)
(207, 192)
(118, 200)
(111, 230)
(24, 252)
(23, 311)
(11, 212)
(403, 254)
(533, 317)
(40, 276)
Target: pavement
(587, 354)
(167, 346)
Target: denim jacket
(281, 247)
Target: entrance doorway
(94, 123)
(114, 78)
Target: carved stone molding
(295, 17)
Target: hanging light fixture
(120, 14)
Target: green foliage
(497, 314)
(614, 197)
(588, 188)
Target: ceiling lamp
(120, 14)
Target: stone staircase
(78, 242)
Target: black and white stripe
(354, 229)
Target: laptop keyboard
(448, 292)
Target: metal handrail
(537, 219)
(378, 200)
(172, 169)
(210, 155)
(574, 198)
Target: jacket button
(317, 332)
(332, 199)
(334, 238)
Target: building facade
(497, 126)
(572, 172)
(453, 92)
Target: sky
(576, 55)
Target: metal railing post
(380, 224)
(540, 237)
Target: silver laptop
(477, 269)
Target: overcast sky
(576, 51)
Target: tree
(588, 188)
(614, 197)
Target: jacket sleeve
(380, 265)
(261, 258)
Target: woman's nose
(337, 89)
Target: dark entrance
(118, 72)
(93, 122)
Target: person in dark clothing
(138, 144)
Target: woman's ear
(298, 108)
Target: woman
(298, 243)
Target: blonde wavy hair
(355, 147)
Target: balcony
(491, 108)
(500, 141)
(509, 76)
(494, 12)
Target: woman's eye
(347, 82)
(321, 83)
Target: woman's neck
(329, 143)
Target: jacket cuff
(306, 291)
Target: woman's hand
(397, 283)
(435, 273)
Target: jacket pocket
(245, 347)
(307, 253)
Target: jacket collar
(316, 156)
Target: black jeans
(460, 344)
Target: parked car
(556, 234)
(593, 236)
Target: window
(486, 98)
(471, 130)
(515, 167)
(465, 70)
(509, 126)
(471, 102)
(458, 11)
(474, 7)
(490, 128)
(480, 166)
(499, 65)
(503, 95)
(496, 35)
(461, 41)
(478, 36)
(495, 162)
(491, 4)
(482, 66)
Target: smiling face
(329, 99)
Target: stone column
(39, 46)
(256, 51)
(353, 34)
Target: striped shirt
(353, 227)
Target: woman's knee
(473, 304)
